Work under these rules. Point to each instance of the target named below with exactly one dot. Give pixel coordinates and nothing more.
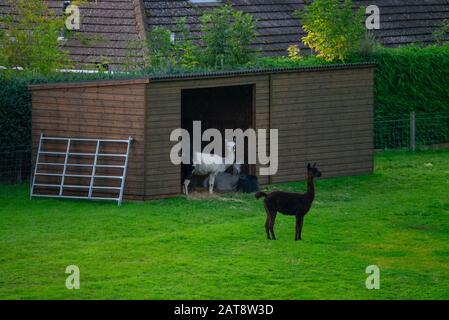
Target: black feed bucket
(249, 184)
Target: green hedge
(15, 114)
(409, 78)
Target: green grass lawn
(397, 219)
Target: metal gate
(99, 174)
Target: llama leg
(299, 223)
(267, 226)
(211, 183)
(273, 220)
(267, 222)
(186, 187)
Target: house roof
(402, 21)
(119, 22)
(276, 27)
(408, 21)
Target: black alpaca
(291, 204)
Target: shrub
(165, 53)
(227, 35)
(368, 47)
(187, 52)
(294, 53)
(333, 29)
(160, 49)
(287, 62)
(441, 34)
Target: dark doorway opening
(221, 108)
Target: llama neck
(229, 157)
(310, 189)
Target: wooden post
(412, 131)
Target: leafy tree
(166, 53)
(334, 29)
(186, 51)
(160, 51)
(227, 35)
(30, 39)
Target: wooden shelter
(324, 114)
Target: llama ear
(308, 166)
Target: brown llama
(290, 204)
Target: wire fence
(15, 167)
(416, 132)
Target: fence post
(412, 131)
